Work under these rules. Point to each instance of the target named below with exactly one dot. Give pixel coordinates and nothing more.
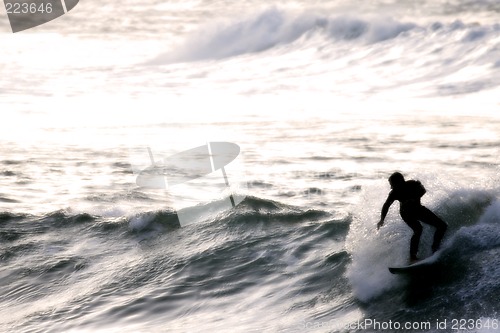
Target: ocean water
(325, 99)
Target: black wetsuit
(412, 212)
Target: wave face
(146, 270)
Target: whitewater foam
(483, 235)
(474, 226)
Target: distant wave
(275, 27)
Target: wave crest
(274, 27)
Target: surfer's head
(396, 179)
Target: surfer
(408, 193)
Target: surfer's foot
(413, 259)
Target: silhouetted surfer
(408, 193)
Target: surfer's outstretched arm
(385, 210)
